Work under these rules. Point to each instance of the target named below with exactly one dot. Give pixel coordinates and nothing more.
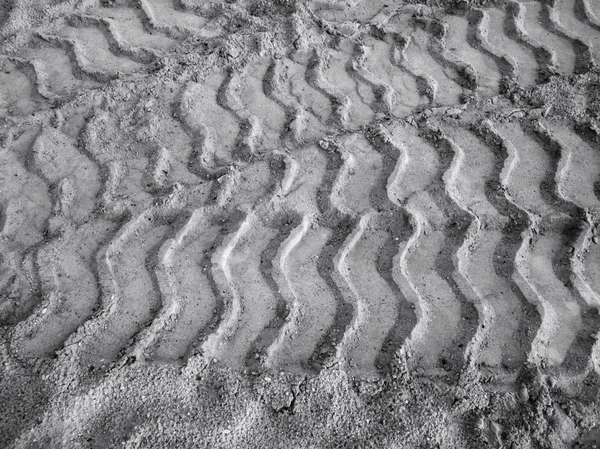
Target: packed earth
(299, 224)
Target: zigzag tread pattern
(296, 215)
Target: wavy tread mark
(268, 337)
(306, 340)
(447, 321)
(35, 73)
(72, 291)
(248, 124)
(95, 52)
(336, 73)
(460, 281)
(56, 71)
(582, 50)
(130, 276)
(563, 323)
(392, 224)
(127, 29)
(271, 120)
(502, 35)
(341, 220)
(201, 161)
(201, 301)
(515, 28)
(424, 85)
(463, 73)
(336, 112)
(569, 14)
(380, 61)
(18, 94)
(383, 92)
(364, 338)
(312, 305)
(81, 66)
(116, 44)
(478, 36)
(26, 206)
(295, 115)
(490, 261)
(571, 268)
(459, 43)
(419, 61)
(208, 123)
(177, 24)
(578, 185)
(64, 264)
(585, 11)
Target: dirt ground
(299, 224)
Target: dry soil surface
(299, 224)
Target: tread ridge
(478, 38)
(466, 74)
(117, 45)
(425, 83)
(575, 227)
(223, 278)
(584, 58)
(545, 57)
(287, 290)
(523, 254)
(202, 161)
(361, 313)
(395, 161)
(249, 124)
(341, 224)
(584, 11)
(295, 114)
(461, 257)
(340, 102)
(456, 233)
(384, 93)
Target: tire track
(461, 72)
(383, 93)
(115, 42)
(504, 34)
(94, 52)
(478, 37)
(130, 276)
(489, 262)
(339, 103)
(336, 72)
(19, 93)
(515, 28)
(127, 28)
(244, 146)
(26, 207)
(570, 14)
(436, 80)
(280, 82)
(264, 115)
(582, 50)
(570, 271)
(584, 10)
(206, 130)
(64, 261)
(564, 322)
(319, 310)
(487, 71)
(446, 320)
(163, 17)
(425, 85)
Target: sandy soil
(302, 224)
